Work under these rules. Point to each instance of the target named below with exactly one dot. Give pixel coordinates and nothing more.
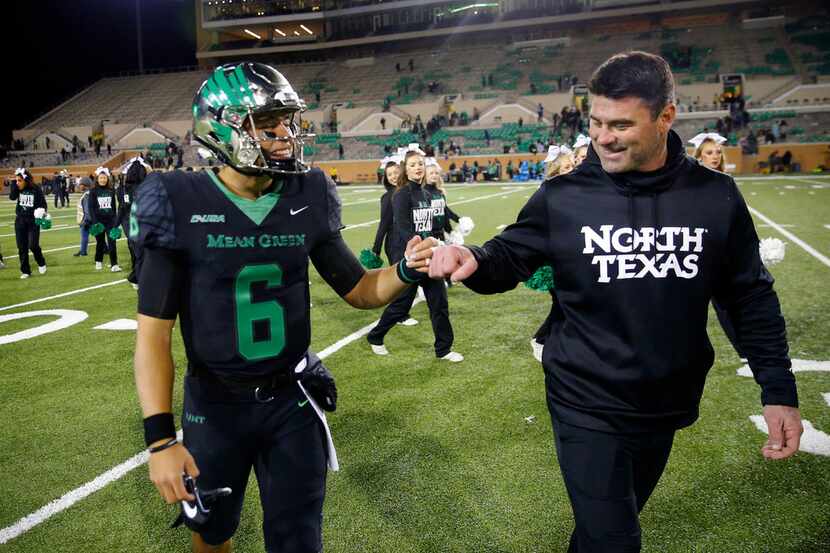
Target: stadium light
(473, 6)
(279, 32)
(253, 34)
(306, 29)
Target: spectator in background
(383, 123)
(787, 160)
(340, 151)
(83, 221)
(540, 112)
(776, 131)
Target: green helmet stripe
(226, 87)
(244, 85)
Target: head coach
(641, 237)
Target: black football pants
(103, 243)
(229, 432)
(609, 478)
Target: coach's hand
(166, 469)
(419, 251)
(785, 429)
(455, 262)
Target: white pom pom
(39, 213)
(771, 250)
(466, 226)
(48, 217)
(455, 238)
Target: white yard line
(53, 229)
(795, 239)
(63, 295)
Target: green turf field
(435, 457)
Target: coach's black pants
(609, 478)
(439, 314)
(27, 235)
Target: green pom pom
(115, 233)
(541, 280)
(96, 229)
(370, 259)
(45, 224)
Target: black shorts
(228, 432)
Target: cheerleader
(134, 172)
(580, 148)
(435, 186)
(709, 150)
(559, 161)
(383, 236)
(30, 214)
(104, 219)
(416, 212)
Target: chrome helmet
(234, 114)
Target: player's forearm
(153, 368)
(377, 288)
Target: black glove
(319, 383)
(198, 511)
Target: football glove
(319, 383)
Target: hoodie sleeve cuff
(780, 393)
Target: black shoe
(77, 254)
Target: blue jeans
(84, 239)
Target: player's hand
(166, 469)
(419, 251)
(455, 262)
(785, 429)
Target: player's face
(102, 179)
(432, 174)
(625, 135)
(415, 168)
(273, 130)
(21, 182)
(580, 155)
(392, 174)
(711, 155)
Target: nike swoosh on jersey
(293, 212)
(302, 403)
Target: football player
(134, 172)
(227, 253)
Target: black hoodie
(383, 236)
(637, 257)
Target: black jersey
(244, 305)
(28, 199)
(416, 210)
(102, 206)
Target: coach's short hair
(635, 75)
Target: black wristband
(407, 275)
(158, 427)
(169, 443)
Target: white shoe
(42, 270)
(135, 286)
(421, 295)
(409, 322)
(98, 265)
(2, 265)
(379, 350)
(115, 269)
(537, 349)
(24, 275)
(454, 357)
